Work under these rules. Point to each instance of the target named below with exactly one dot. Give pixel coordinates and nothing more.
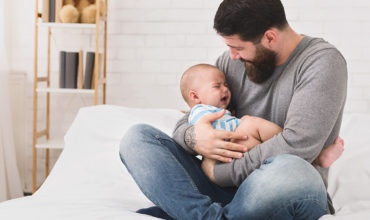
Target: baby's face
(213, 89)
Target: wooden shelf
(70, 91)
(100, 29)
(57, 143)
(66, 25)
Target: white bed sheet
(89, 181)
(349, 177)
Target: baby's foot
(331, 153)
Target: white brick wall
(152, 42)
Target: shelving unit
(57, 142)
(66, 25)
(72, 91)
(51, 144)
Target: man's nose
(234, 54)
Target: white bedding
(349, 177)
(89, 181)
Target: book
(58, 7)
(89, 70)
(62, 69)
(51, 10)
(71, 70)
(80, 70)
(98, 63)
(45, 11)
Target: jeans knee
(130, 141)
(282, 181)
(286, 159)
(297, 173)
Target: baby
(205, 90)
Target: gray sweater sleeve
(316, 106)
(179, 133)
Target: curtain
(10, 184)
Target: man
(295, 81)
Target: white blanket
(89, 181)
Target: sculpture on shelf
(83, 11)
(69, 14)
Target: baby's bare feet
(331, 153)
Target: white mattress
(89, 181)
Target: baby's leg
(248, 127)
(331, 153)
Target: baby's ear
(193, 96)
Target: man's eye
(217, 87)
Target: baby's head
(205, 84)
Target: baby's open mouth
(224, 99)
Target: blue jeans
(284, 187)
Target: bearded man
(296, 81)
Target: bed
(89, 181)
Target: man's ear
(194, 97)
(269, 38)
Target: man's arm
(184, 134)
(315, 108)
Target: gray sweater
(305, 96)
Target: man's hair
(249, 19)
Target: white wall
(151, 43)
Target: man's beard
(262, 66)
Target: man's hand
(211, 143)
(207, 167)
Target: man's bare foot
(331, 153)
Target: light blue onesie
(227, 122)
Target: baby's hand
(207, 167)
